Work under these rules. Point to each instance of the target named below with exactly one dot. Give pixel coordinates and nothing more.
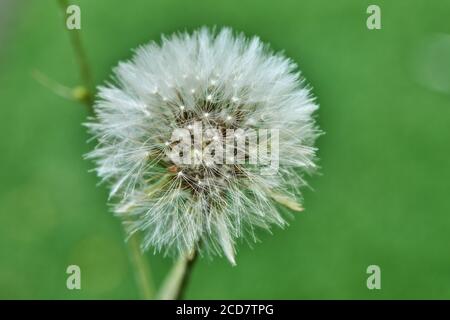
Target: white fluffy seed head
(223, 81)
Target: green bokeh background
(382, 195)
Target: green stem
(142, 269)
(82, 60)
(54, 86)
(85, 95)
(175, 285)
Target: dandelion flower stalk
(176, 282)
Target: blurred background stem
(85, 95)
(142, 269)
(82, 60)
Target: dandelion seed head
(229, 82)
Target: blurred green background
(382, 195)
